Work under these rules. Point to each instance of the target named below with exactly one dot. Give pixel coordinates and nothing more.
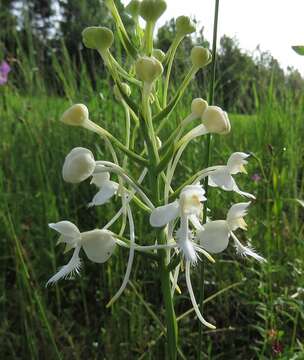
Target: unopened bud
(198, 106)
(216, 120)
(152, 10)
(158, 54)
(97, 37)
(117, 93)
(133, 8)
(200, 56)
(184, 26)
(78, 165)
(76, 115)
(148, 69)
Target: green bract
(200, 56)
(125, 87)
(148, 69)
(97, 37)
(184, 26)
(151, 10)
(159, 54)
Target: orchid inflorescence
(181, 237)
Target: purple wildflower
(256, 177)
(4, 70)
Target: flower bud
(97, 37)
(117, 93)
(76, 115)
(200, 56)
(151, 10)
(184, 26)
(133, 8)
(158, 54)
(148, 69)
(78, 165)
(198, 106)
(216, 120)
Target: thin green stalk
(172, 331)
(175, 44)
(164, 114)
(149, 38)
(207, 162)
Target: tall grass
(259, 311)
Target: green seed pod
(152, 10)
(158, 54)
(199, 106)
(117, 93)
(184, 26)
(133, 8)
(200, 56)
(97, 37)
(148, 69)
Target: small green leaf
(299, 49)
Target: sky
(275, 25)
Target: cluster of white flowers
(191, 237)
(175, 214)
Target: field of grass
(258, 308)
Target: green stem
(90, 125)
(148, 118)
(175, 44)
(149, 38)
(172, 331)
(207, 162)
(164, 114)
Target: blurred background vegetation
(258, 309)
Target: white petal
(214, 237)
(193, 300)
(246, 250)
(191, 198)
(195, 222)
(98, 245)
(243, 193)
(235, 216)
(162, 215)
(68, 270)
(238, 210)
(79, 164)
(108, 190)
(69, 231)
(100, 178)
(222, 178)
(130, 260)
(236, 162)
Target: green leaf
(299, 49)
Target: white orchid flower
(78, 165)
(187, 208)
(107, 188)
(214, 235)
(222, 175)
(98, 245)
